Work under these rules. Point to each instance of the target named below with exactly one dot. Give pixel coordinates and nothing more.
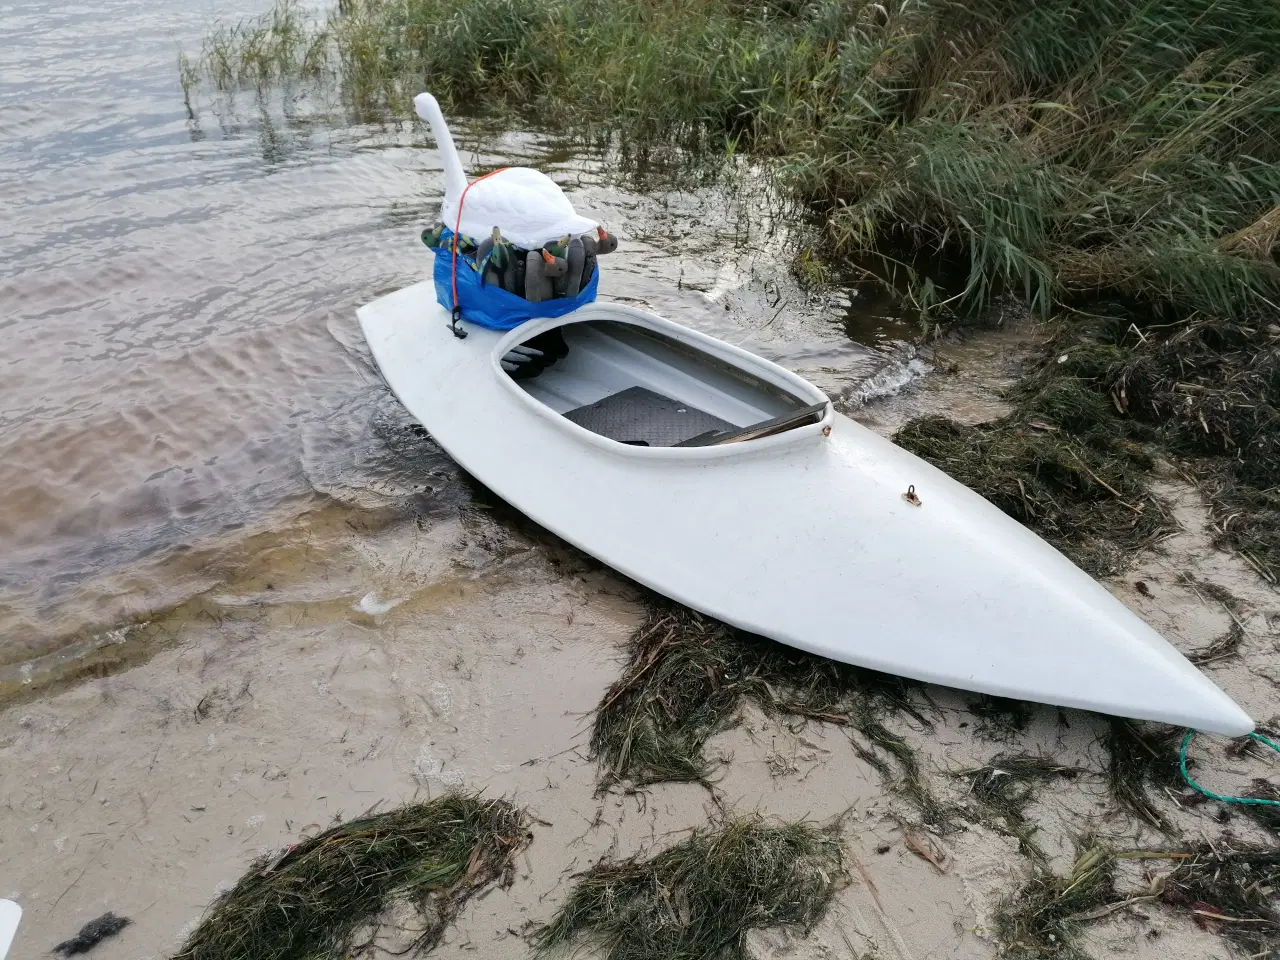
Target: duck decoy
(518, 267)
(559, 269)
(498, 253)
(558, 248)
(576, 259)
(553, 266)
(431, 235)
(537, 284)
(486, 247)
(510, 256)
(605, 242)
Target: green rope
(1253, 801)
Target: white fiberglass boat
(729, 484)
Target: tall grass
(1064, 147)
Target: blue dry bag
(487, 305)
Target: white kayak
(729, 484)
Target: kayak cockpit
(645, 387)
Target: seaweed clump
(1139, 760)
(1266, 816)
(1074, 457)
(1213, 387)
(999, 718)
(701, 897)
(1231, 892)
(91, 934)
(1221, 648)
(1044, 917)
(1006, 786)
(687, 677)
(316, 897)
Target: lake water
(183, 379)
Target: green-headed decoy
(431, 235)
(499, 253)
(559, 269)
(555, 266)
(558, 248)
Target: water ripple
(181, 362)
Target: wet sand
(358, 656)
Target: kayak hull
(805, 537)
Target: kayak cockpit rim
(803, 395)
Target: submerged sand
(358, 657)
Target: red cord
(457, 225)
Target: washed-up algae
(1223, 647)
(1227, 890)
(1005, 786)
(999, 718)
(699, 899)
(325, 896)
(1108, 395)
(1044, 917)
(1061, 462)
(687, 677)
(1232, 892)
(1142, 757)
(1211, 388)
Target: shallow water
(184, 380)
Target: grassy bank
(1111, 162)
(1067, 146)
